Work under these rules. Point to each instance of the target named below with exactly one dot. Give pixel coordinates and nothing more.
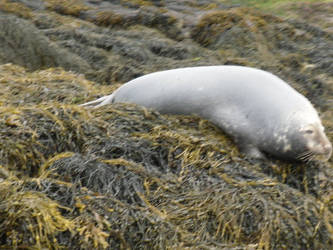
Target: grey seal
(261, 112)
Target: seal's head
(307, 139)
(317, 145)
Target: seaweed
(72, 7)
(125, 177)
(17, 9)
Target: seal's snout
(328, 150)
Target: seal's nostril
(328, 147)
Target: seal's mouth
(322, 157)
(321, 153)
(310, 156)
(326, 151)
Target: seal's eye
(309, 131)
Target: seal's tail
(99, 102)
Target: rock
(23, 44)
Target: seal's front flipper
(251, 151)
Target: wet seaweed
(124, 177)
(154, 188)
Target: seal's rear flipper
(94, 103)
(99, 102)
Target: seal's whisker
(311, 158)
(306, 156)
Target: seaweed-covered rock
(23, 44)
(54, 85)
